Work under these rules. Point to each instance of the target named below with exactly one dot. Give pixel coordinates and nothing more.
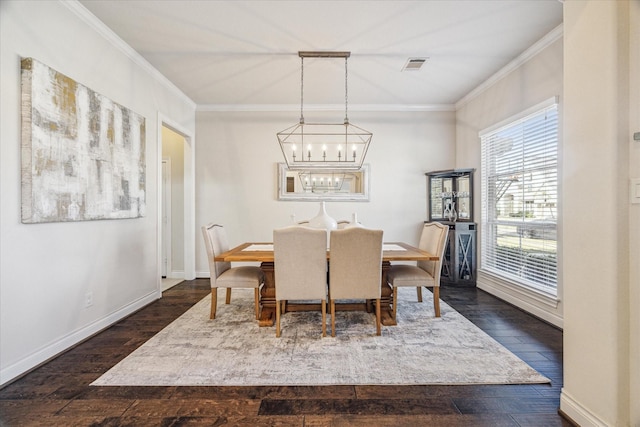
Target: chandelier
(324, 145)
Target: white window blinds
(520, 200)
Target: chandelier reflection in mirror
(324, 145)
(322, 181)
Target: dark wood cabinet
(451, 203)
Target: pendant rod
(346, 91)
(323, 54)
(301, 89)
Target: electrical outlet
(88, 299)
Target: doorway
(172, 235)
(166, 226)
(176, 252)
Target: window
(520, 199)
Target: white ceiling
(246, 52)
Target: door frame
(189, 199)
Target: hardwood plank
(95, 408)
(267, 392)
(158, 408)
(410, 421)
(20, 412)
(507, 405)
(393, 392)
(358, 406)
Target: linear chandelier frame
(324, 145)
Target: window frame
(536, 272)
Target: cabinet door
(463, 193)
(465, 256)
(441, 197)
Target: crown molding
(252, 108)
(532, 51)
(90, 19)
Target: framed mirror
(323, 184)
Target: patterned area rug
(233, 350)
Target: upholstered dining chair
(222, 275)
(426, 273)
(300, 268)
(355, 268)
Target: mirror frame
(347, 197)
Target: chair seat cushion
(241, 277)
(409, 275)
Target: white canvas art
(82, 154)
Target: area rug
(233, 350)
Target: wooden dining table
(262, 252)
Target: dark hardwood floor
(58, 393)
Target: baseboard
(176, 274)
(543, 308)
(577, 413)
(32, 361)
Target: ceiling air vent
(414, 64)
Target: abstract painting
(83, 155)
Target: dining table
(262, 252)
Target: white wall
(237, 154)
(534, 77)
(601, 228)
(46, 270)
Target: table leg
(267, 296)
(386, 298)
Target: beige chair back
(300, 263)
(215, 240)
(433, 240)
(355, 264)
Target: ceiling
(245, 53)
